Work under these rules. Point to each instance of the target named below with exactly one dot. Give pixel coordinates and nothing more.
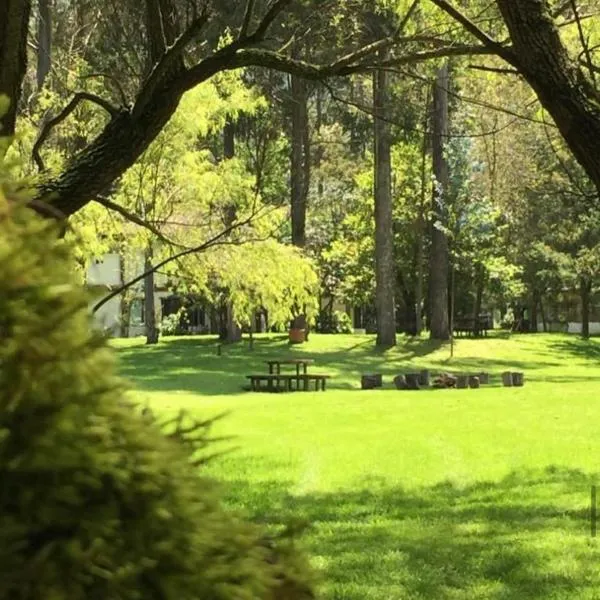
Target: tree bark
(533, 321)
(14, 21)
(585, 288)
(479, 287)
(44, 53)
(299, 160)
(149, 304)
(384, 235)
(299, 170)
(439, 258)
(232, 332)
(560, 84)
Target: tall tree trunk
(421, 220)
(44, 53)
(231, 331)
(384, 234)
(299, 163)
(585, 288)
(299, 171)
(562, 87)
(14, 21)
(479, 285)
(439, 258)
(149, 305)
(533, 322)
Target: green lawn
(441, 494)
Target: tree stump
(412, 381)
(484, 378)
(462, 382)
(424, 378)
(507, 380)
(474, 381)
(444, 381)
(400, 382)
(369, 382)
(518, 379)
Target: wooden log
(412, 381)
(462, 382)
(400, 382)
(444, 380)
(473, 381)
(369, 382)
(484, 378)
(518, 379)
(507, 380)
(424, 378)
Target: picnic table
(275, 365)
(274, 380)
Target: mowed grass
(437, 494)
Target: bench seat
(274, 381)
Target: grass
(441, 494)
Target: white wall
(105, 271)
(576, 328)
(108, 317)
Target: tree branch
(584, 44)
(110, 205)
(475, 31)
(201, 247)
(62, 115)
(494, 69)
(171, 54)
(260, 32)
(247, 19)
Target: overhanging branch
(476, 32)
(62, 115)
(110, 205)
(201, 247)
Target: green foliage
(95, 501)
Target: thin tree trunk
(479, 285)
(533, 322)
(421, 224)
(439, 259)
(232, 332)
(14, 21)
(44, 53)
(384, 234)
(299, 172)
(585, 287)
(149, 305)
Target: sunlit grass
(437, 494)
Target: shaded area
(193, 364)
(524, 537)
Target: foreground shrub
(95, 502)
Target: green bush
(96, 503)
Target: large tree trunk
(479, 286)
(439, 258)
(585, 288)
(560, 84)
(299, 171)
(384, 234)
(44, 53)
(149, 304)
(14, 20)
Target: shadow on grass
(578, 347)
(523, 537)
(194, 364)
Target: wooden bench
(273, 381)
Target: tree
(385, 280)
(565, 87)
(14, 22)
(181, 49)
(439, 257)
